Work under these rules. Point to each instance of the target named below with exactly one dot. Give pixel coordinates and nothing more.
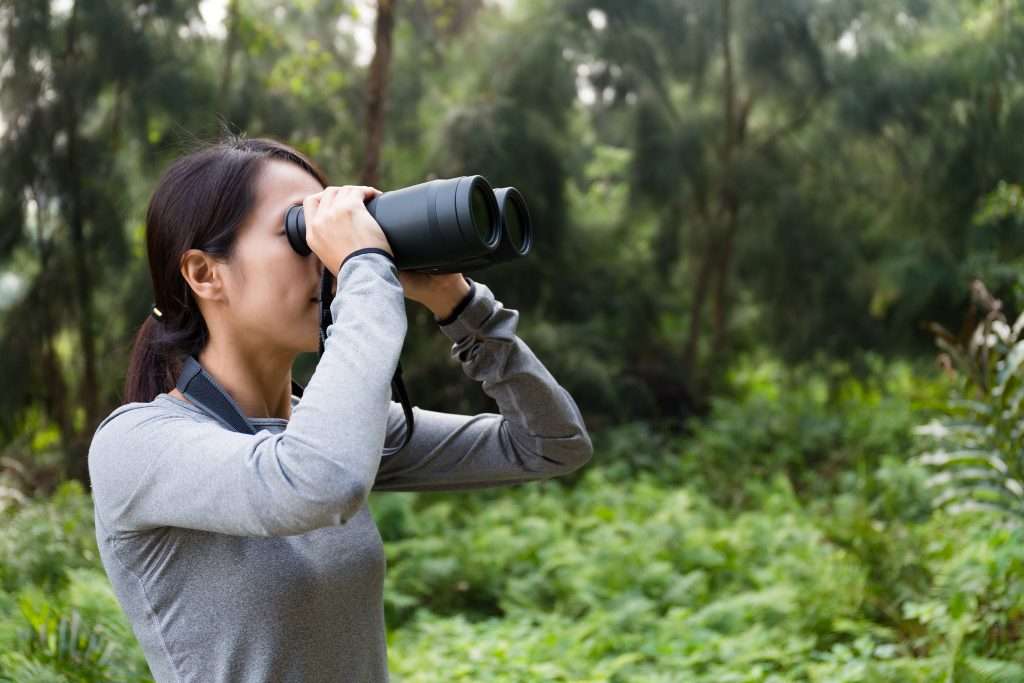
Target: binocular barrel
(450, 225)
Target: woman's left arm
(538, 435)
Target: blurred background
(777, 264)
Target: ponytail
(156, 356)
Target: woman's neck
(260, 383)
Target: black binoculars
(452, 225)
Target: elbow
(572, 453)
(576, 450)
(352, 500)
(548, 456)
(584, 452)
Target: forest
(778, 263)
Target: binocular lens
(442, 226)
(517, 232)
(514, 225)
(480, 210)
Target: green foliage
(647, 566)
(645, 570)
(828, 184)
(17, 668)
(811, 422)
(40, 543)
(976, 441)
(67, 644)
(1006, 201)
(59, 618)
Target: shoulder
(136, 441)
(122, 447)
(130, 416)
(131, 410)
(125, 437)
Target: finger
(332, 196)
(311, 204)
(350, 197)
(366, 191)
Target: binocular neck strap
(200, 388)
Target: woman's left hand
(438, 292)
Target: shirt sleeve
(151, 467)
(538, 434)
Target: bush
(976, 440)
(766, 547)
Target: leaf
(1008, 367)
(965, 457)
(994, 670)
(970, 475)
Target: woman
(254, 557)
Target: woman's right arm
(151, 469)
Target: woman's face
(269, 285)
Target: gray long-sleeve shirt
(254, 557)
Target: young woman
(254, 557)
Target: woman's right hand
(338, 223)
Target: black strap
(202, 390)
(199, 387)
(398, 388)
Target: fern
(66, 643)
(17, 668)
(975, 447)
(963, 668)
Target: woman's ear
(202, 273)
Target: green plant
(66, 643)
(17, 668)
(976, 454)
(43, 539)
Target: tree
(715, 89)
(377, 91)
(72, 83)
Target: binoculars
(451, 225)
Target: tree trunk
(377, 92)
(55, 397)
(55, 389)
(716, 262)
(88, 388)
(666, 249)
(230, 48)
(115, 119)
(700, 294)
(720, 322)
(728, 197)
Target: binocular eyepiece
(451, 225)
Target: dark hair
(200, 202)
